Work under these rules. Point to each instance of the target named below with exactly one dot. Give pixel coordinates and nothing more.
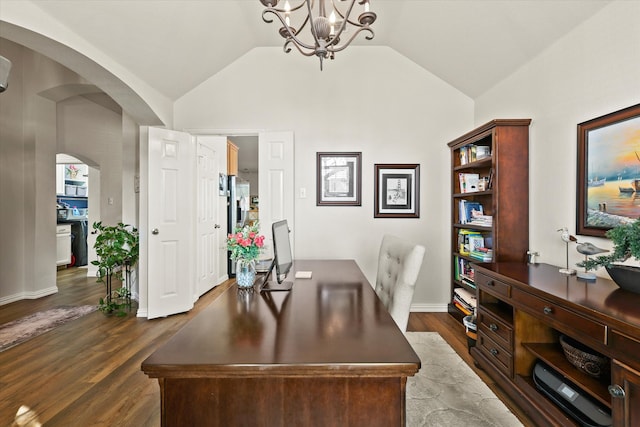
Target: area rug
(25, 328)
(446, 391)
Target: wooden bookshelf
(497, 153)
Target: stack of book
(482, 254)
(464, 300)
(481, 220)
(473, 213)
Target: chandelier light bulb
(287, 13)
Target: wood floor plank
(87, 371)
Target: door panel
(209, 227)
(170, 285)
(276, 189)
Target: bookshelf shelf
(489, 170)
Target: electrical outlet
(303, 193)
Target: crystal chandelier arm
(332, 48)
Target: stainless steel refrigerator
(237, 210)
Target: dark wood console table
(326, 353)
(522, 310)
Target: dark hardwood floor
(87, 371)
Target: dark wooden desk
(326, 353)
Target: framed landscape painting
(397, 191)
(338, 181)
(608, 171)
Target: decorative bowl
(585, 359)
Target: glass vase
(245, 273)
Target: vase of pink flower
(245, 245)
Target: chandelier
(325, 32)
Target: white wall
(33, 128)
(369, 99)
(94, 133)
(27, 175)
(592, 71)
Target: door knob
(216, 226)
(155, 231)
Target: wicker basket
(585, 359)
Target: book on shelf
(482, 254)
(489, 185)
(464, 272)
(463, 240)
(476, 242)
(469, 182)
(482, 152)
(467, 298)
(462, 308)
(471, 153)
(468, 210)
(481, 220)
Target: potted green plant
(626, 245)
(117, 250)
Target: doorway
(248, 176)
(78, 207)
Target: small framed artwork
(338, 181)
(222, 184)
(608, 171)
(397, 191)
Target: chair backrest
(399, 263)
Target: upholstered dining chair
(399, 263)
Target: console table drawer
(627, 348)
(502, 359)
(492, 285)
(495, 329)
(559, 316)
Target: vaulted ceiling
(175, 45)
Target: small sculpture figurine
(566, 237)
(587, 249)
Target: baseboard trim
(429, 308)
(29, 295)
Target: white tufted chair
(398, 267)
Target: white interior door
(276, 185)
(209, 226)
(169, 230)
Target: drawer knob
(616, 391)
(494, 351)
(547, 310)
(493, 327)
(490, 283)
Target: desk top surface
(332, 324)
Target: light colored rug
(446, 391)
(25, 328)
